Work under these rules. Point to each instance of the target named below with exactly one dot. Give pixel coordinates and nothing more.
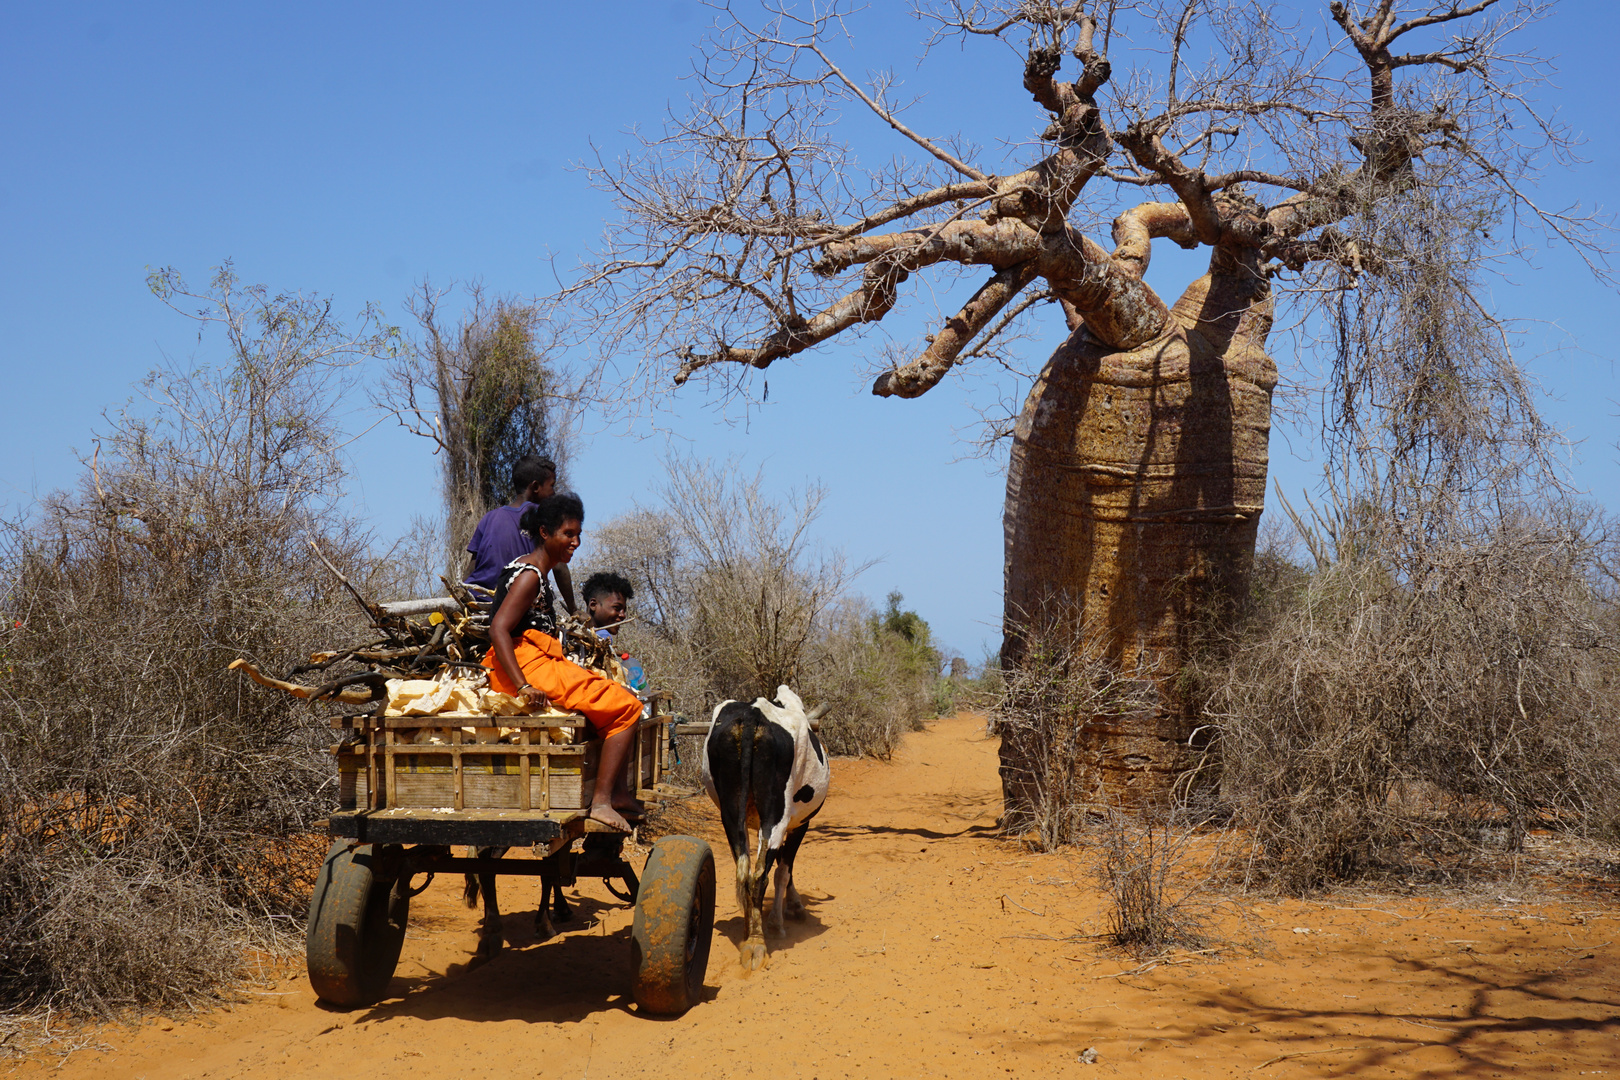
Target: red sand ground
(934, 949)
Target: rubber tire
(356, 929)
(673, 926)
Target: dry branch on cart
(437, 639)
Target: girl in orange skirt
(526, 658)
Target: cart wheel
(674, 925)
(356, 928)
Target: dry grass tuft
(1144, 871)
(118, 933)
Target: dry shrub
(121, 932)
(1055, 708)
(141, 784)
(732, 601)
(878, 683)
(1443, 678)
(1375, 716)
(1144, 868)
(1052, 710)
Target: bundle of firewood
(442, 639)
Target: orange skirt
(607, 706)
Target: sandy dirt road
(934, 949)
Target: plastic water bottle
(638, 674)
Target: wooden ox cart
(412, 788)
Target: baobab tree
(1307, 159)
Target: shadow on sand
(1369, 1041)
(580, 972)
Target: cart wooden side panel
(461, 762)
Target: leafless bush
(1144, 870)
(122, 933)
(873, 681)
(729, 594)
(146, 797)
(1054, 709)
(732, 601)
(1369, 715)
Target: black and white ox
(763, 766)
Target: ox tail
(761, 779)
(470, 890)
(735, 814)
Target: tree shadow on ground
(1374, 1041)
(852, 832)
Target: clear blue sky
(352, 149)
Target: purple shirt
(497, 541)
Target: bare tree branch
(923, 373)
(888, 116)
(753, 232)
(1136, 228)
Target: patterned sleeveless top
(541, 616)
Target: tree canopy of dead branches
(1294, 143)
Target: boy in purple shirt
(499, 538)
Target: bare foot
(632, 809)
(608, 816)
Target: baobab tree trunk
(1134, 495)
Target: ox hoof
(751, 957)
(489, 946)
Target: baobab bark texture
(1134, 493)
